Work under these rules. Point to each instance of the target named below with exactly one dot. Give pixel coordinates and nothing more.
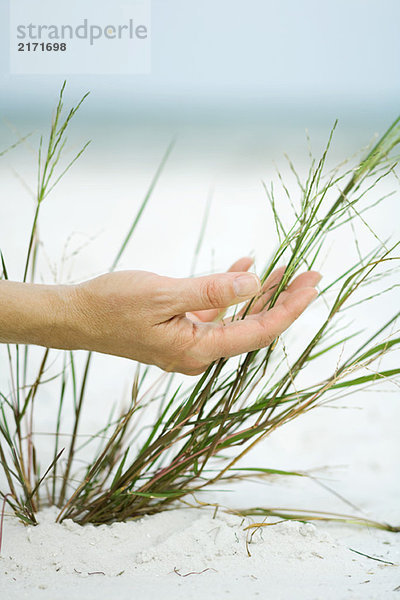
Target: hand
(174, 323)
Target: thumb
(214, 291)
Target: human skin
(175, 324)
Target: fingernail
(246, 285)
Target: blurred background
(238, 84)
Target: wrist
(61, 326)
(43, 315)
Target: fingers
(268, 290)
(307, 279)
(256, 331)
(214, 291)
(243, 264)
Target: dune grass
(203, 429)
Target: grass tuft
(202, 431)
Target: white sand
(188, 554)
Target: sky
(230, 51)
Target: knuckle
(184, 356)
(213, 293)
(185, 337)
(265, 336)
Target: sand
(187, 553)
